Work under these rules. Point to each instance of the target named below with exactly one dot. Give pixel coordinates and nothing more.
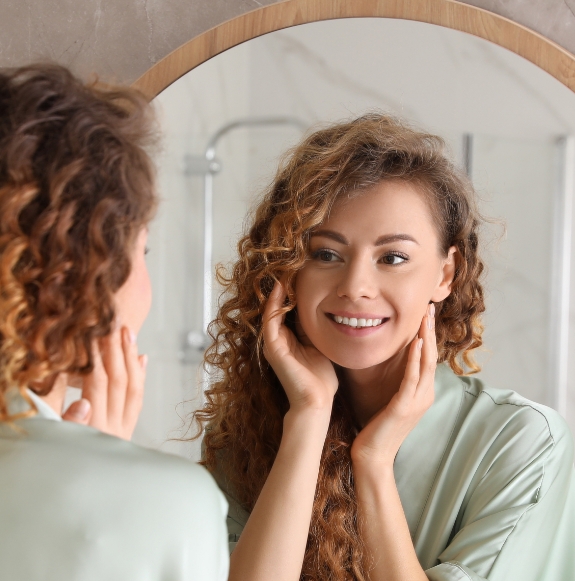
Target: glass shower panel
(517, 181)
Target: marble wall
(448, 82)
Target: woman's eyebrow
(394, 238)
(386, 239)
(331, 234)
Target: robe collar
(17, 404)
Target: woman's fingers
(115, 366)
(272, 317)
(95, 389)
(429, 350)
(422, 359)
(136, 377)
(79, 412)
(114, 391)
(412, 369)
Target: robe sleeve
(518, 522)
(237, 515)
(236, 521)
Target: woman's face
(134, 298)
(373, 267)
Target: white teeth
(353, 322)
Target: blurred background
(226, 124)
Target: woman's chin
(365, 357)
(359, 361)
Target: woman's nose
(358, 281)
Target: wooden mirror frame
(542, 52)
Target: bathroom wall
(121, 39)
(446, 81)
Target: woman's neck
(55, 399)
(369, 390)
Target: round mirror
(227, 122)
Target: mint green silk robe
(79, 505)
(487, 485)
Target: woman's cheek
(147, 294)
(134, 298)
(145, 303)
(411, 308)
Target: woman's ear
(446, 276)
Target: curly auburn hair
(245, 403)
(76, 187)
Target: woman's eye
(324, 255)
(393, 259)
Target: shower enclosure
(196, 229)
(208, 166)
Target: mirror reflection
(227, 123)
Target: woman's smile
(357, 324)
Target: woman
(76, 196)
(344, 451)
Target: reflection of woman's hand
(112, 395)
(307, 376)
(380, 439)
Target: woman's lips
(357, 325)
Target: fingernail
(420, 344)
(144, 361)
(82, 410)
(432, 310)
(133, 337)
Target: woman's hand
(285, 503)
(379, 441)
(307, 376)
(112, 395)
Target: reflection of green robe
(79, 505)
(487, 484)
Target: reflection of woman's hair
(246, 403)
(76, 186)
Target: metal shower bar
(561, 275)
(467, 147)
(208, 165)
